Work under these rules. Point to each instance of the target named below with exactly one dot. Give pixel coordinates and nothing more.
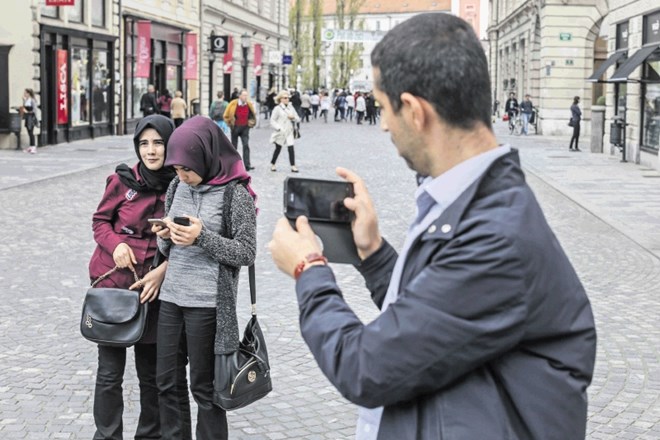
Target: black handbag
(113, 317)
(571, 123)
(243, 377)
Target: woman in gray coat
(282, 119)
(576, 116)
(198, 295)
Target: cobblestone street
(605, 213)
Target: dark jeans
(349, 113)
(360, 115)
(243, 132)
(194, 329)
(108, 398)
(178, 122)
(576, 136)
(276, 153)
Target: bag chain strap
(111, 271)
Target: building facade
(90, 61)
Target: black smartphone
(322, 202)
(318, 200)
(183, 221)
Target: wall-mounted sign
(227, 61)
(258, 51)
(62, 86)
(355, 36)
(219, 43)
(60, 2)
(143, 68)
(191, 56)
(274, 57)
(287, 59)
(565, 36)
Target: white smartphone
(157, 221)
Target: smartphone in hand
(157, 221)
(183, 221)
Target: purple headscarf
(200, 145)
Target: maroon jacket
(121, 217)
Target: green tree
(346, 56)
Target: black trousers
(276, 153)
(243, 132)
(194, 329)
(108, 398)
(576, 136)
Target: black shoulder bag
(112, 316)
(242, 377)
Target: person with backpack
(217, 112)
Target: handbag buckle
(252, 376)
(88, 321)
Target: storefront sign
(287, 59)
(219, 43)
(60, 2)
(143, 67)
(355, 36)
(191, 56)
(227, 62)
(62, 86)
(565, 36)
(274, 57)
(257, 59)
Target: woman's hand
(123, 256)
(151, 283)
(185, 235)
(160, 231)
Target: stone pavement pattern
(47, 370)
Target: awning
(623, 72)
(598, 73)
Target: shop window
(139, 89)
(49, 11)
(98, 13)
(80, 91)
(76, 12)
(101, 85)
(651, 127)
(173, 75)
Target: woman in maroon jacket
(124, 240)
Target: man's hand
(365, 226)
(289, 247)
(123, 256)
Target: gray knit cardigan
(231, 254)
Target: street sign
(287, 59)
(274, 57)
(219, 43)
(565, 36)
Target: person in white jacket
(282, 120)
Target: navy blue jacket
(491, 337)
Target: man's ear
(418, 110)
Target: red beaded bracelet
(311, 258)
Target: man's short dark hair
(437, 57)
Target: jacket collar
(504, 172)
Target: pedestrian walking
(371, 108)
(340, 105)
(198, 295)
(350, 106)
(305, 106)
(325, 103)
(576, 116)
(179, 108)
(240, 116)
(283, 121)
(360, 108)
(148, 102)
(30, 117)
(217, 112)
(165, 104)
(526, 110)
(315, 100)
(270, 101)
(511, 108)
(124, 240)
(485, 329)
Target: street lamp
(245, 45)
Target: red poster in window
(191, 56)
(60, 2)
(62, 87)
(227, 64)
(143, 67)
(257, 59)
